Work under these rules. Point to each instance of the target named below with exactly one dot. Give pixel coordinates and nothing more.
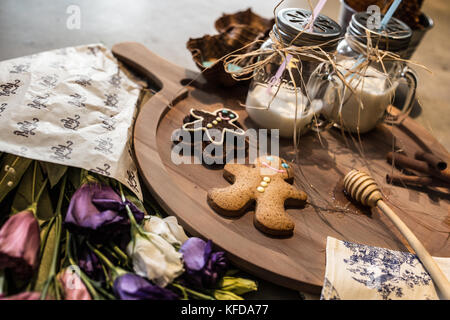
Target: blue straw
(360, 60)
(390, 13)
(384, 22)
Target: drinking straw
(390, 12)
(274, 80)
(316, 12)
(384, 23)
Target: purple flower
(98, 211)
(90, 264)
(203, 267)
(133, 287)
(20, 243)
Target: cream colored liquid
(365, 107)
(281, 113)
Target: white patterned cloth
(360, 272)
(71, 106)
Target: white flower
(155, 258)
(168, 228)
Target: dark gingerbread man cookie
(222, 119)
(217, 126)
(266, 184)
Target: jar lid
(292, 21)
(394, 37)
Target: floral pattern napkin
(71, 106)
(361, 272)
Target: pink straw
(316, 13)
(275, 79)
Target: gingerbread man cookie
(222, 119)
(218, 126)
(266, 183)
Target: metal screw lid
(292, 21)
(394, 37)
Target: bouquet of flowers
(66, 233)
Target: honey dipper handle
(430, 265)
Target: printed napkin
(360, 272)
(72, 106)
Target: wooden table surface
(31, 26)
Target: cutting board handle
(164, 74)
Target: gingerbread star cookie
(267, 184)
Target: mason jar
(277, 95)
(357, 90)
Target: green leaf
(48, 232)
(12, 169)
(24, 195)
(54, 172)
(74, 175)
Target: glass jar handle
(411, 79)
(318, 84)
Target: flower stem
(119, 252)
(116, 270)
(34, 203)
(2, 281)
(193, 293)
(83, 277)
(102, 257)
(34, 182)
(57, 288)
(41, 190)
(135, 228)
(103, 291)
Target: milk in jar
(281, 112)
(272, 102)
(362, 109)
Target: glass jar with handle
(358, 89)
(277, 94)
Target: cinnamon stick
(434, 161)
(401, 178)
(414, 180)
(418, 165)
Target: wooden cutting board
(296, 262)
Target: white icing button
(218, 119)
(209, 125)
(266, 179)
(214, 122)
(264, 184)
(260, 189)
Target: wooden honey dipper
(363, 188)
